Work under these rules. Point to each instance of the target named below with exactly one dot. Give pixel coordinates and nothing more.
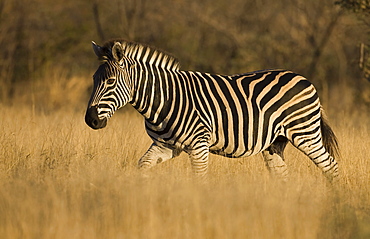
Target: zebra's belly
(242, 148)
(234, 153)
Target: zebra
(201, 113)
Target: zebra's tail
(329, 139)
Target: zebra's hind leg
(317, 152)
(320, 146)
(157, 153)
(274, 158)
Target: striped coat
(201, 113)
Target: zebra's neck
(154, 91)
(154, 80)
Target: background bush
(44, 41)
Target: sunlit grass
(60, 179)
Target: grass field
(60, 179)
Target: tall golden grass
(60, 179)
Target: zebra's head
(112, 85)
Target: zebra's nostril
(95, 122)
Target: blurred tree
(38, 36)
(99, 29)
(11, 32)
(42, 37)
(362, 10)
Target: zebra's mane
(143, 53)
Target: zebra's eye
(110, 81)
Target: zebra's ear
(117, 52)
(98, 50)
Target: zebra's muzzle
(92, 119)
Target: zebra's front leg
(157, 153)
(199, 158)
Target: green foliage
(358, 6)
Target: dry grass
(60, 179)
